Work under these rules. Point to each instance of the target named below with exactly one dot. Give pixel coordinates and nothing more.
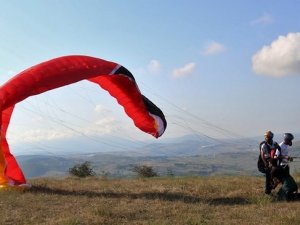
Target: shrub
(144, 171)
(82, 170)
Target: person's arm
(277, 154)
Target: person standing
(267, 153)
(285, 158)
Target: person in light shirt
(284, 154)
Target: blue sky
(218, 68)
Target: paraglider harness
(275, 162)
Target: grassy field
(158, 201)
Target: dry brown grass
(159, 201)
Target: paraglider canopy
(62, 71)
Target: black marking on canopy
(153, 109)
(122, 70)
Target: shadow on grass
(164, 196)
(229, 201)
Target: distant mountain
(42, 165)
(188, 155)
(190, 137)
(193, 145)
(80, 144)
(189, 144)
(113, 165)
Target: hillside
(159, 201)
(190, 156)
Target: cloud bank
(279, 59)
(264, 19)
(100, 109)
(154, 66)
(184, 71)
(213, 48)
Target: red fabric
(12, 169)
(129, 96)
(63, 71)
(50, 75)
(272, 153)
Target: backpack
(260, 163)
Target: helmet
(268, 134)
(288, 137)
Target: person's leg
(286, 170)
(269, 183)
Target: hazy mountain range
(190, 155)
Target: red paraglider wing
(146, 116)
(58, 72)
(50, 75)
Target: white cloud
(106, 121)
(35, 135)
(264, 19)
(37, 119)
(184, 71)
(154, 66)
(100, 109)
(213, 48)
(279, 59)
(102, 126)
